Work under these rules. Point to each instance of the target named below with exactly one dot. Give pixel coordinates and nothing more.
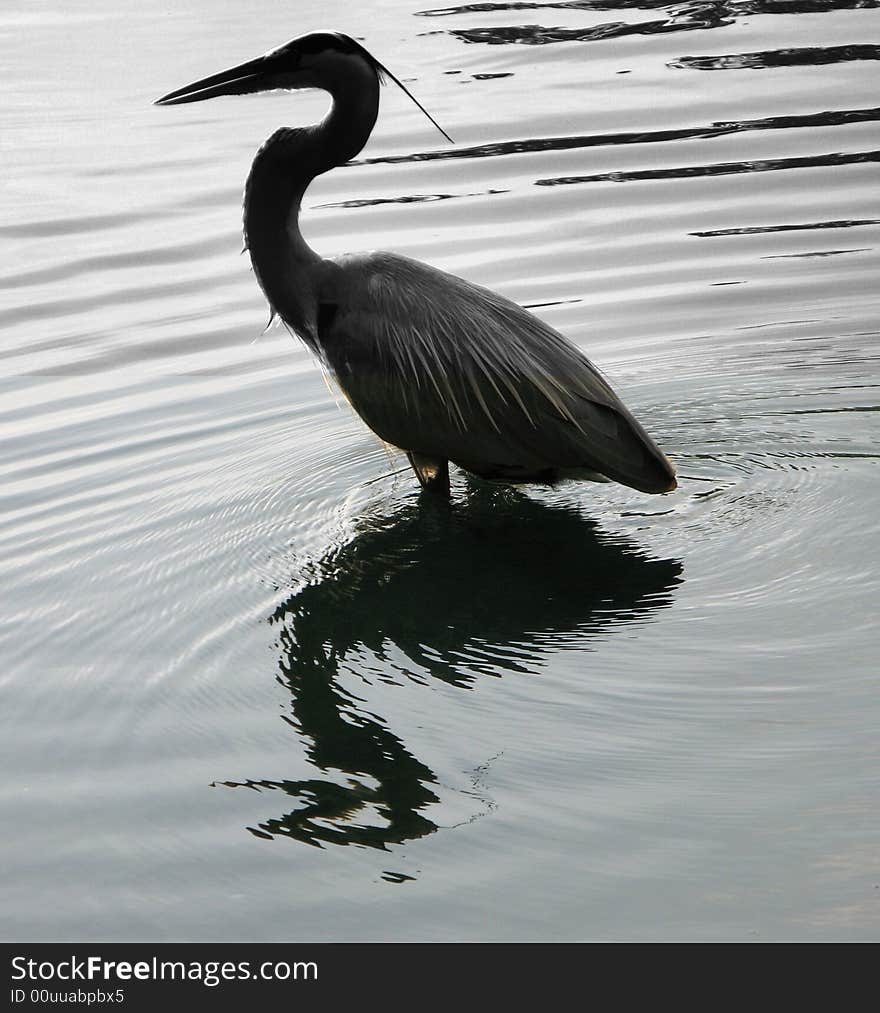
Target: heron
(435, 365)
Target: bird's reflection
(487, 587)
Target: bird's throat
(281, 258)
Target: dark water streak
(720, 169)
(418, 198)
(700, 15)
(753, 230)
(815, 253)
(738, 7)
(538, 35)
(809, 56)
(722, 128)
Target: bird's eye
(290, 55)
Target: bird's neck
(285, 265)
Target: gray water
(251, 687)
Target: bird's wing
(442, 367)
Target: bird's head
(317, 60)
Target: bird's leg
(432, 472)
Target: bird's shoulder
(387, 281)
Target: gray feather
(438, 366)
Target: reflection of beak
(255, 75)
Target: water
(251, 689)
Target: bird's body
(435, 365)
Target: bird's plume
(386, 75)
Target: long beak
(246, 77)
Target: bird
(435, 365)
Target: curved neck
(280, 175)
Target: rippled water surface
(253, 688)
